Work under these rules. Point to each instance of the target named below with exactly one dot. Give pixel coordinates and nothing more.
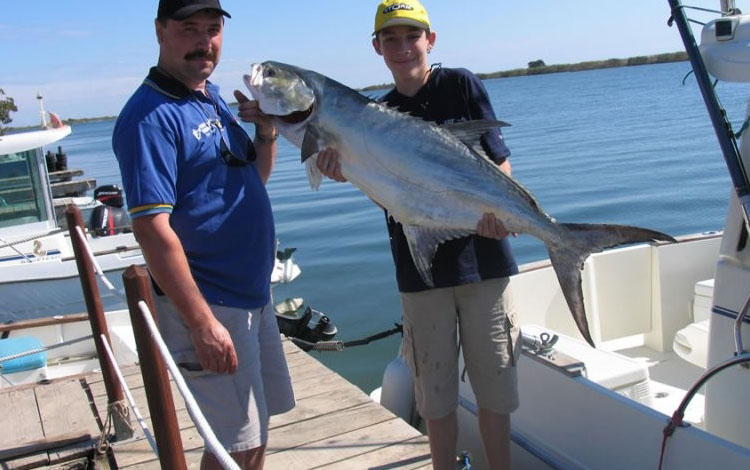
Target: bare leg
(495, 431)
(443, 435)
(247, 460)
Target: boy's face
(404, 48)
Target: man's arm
(168, 265)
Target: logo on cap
(397, 6)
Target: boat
(667, 384)
(40, 286)
(38, 275)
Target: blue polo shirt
(169, 142)
(452, 95)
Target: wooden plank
(326, 426)
(334, 425)
(407, 455)
(64, 407)
(19, 418)
(335, 449)
(43, 444)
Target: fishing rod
(722, 127)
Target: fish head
(282, 92)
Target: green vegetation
(7, 106)
(537, 67)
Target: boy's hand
(488, 226)
(329, 164)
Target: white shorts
(237, 406)
(484, 314)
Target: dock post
(116, 405)
(154, 371)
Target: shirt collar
(169, 86)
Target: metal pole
(153, 369)
(727, 5)
(116, 400)
(721, 126)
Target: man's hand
(249, 111)
(490, 227)
(214, 347)
(329, 164)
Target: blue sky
(87, 56)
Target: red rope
(675, 421)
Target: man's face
(404, 48)
(190, 48)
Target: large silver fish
(435, 180)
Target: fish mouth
(298, 116)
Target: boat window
(21, 194)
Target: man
(194, 182)
(471, 291)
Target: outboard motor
(109, 218)
(312, 326)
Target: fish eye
(269, 73)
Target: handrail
(96, 315)
(129, 396)
(46, 321)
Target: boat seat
(16, 345)
(691, 342)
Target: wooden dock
(334, 425)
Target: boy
(470, 274)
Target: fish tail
(568, 258)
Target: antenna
(42, 113)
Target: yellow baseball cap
(401, 12)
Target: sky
(86, 57)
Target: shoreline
(536, 67)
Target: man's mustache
(200, 54)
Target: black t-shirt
(452, 95)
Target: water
(628, 145)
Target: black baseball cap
(181, 9)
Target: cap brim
(190, 10)
(402, 22)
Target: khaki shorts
(484, 315)
(237, 406)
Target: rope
(97, 268)
(129, 396)
(7, 244)
(340, 345)
(200, 421)
(676, 419)
(46, 348)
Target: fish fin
(314, 175)
(310, 142)
(423, 243)
(583, 240)
(469, 132)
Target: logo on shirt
(205, 128)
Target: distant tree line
(538, 67)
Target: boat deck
(334, 425)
